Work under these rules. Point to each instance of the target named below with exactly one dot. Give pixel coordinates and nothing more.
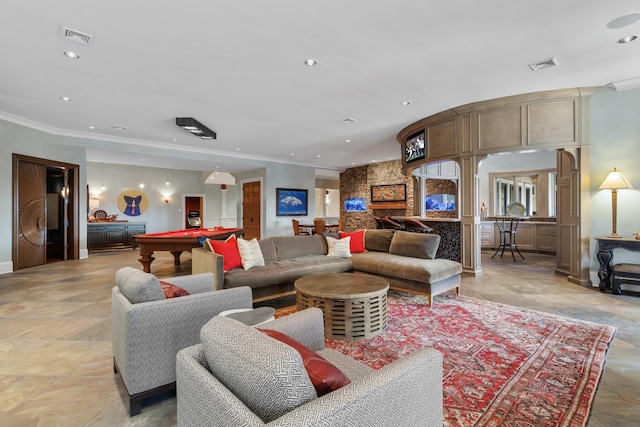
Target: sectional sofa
(405, 259)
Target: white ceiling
(238, 67)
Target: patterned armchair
(256, 380)
(148, 329)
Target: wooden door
(251, 199)
(32, 214)
(567, 213)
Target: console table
(604, 254)
(115, 234)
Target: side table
(507, 232)
(354, 304)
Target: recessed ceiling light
(405, 103)
(627, 39)
(317, 156)
(293, 154)
(174, 139)
(92, 127)
(71, 55)
(65, 98)
(347, 140)
(311, 62)
(238, 149)
(624, 21)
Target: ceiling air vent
(348, 120)
(75, 35)
(551, 62)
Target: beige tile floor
(55, 338)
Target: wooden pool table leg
(176, 257)
(146, 259)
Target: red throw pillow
(172, 291)
(324, 376)
(357, 240)
(229, 251)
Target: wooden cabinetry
(547, 237)
(530, 236)
(442, 170)
(108, 235)
(486, 234)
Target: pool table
(178, 241)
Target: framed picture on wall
(291, 202)
(389, 193)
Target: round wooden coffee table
(354, 304)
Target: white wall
(512, 162)
(159, 216)
(30, 142)
(615, 142)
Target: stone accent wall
(357, 182)
(449, 239)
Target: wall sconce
(166, 200)
(193, 126)
(614, 181)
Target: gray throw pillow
(378, 240)
(267, 375)
(416, 245)
(138, 286)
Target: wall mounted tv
(414, 147)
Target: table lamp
(614, 181)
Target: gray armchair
(257, 381)
(148, 330)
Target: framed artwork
(389, 193)
(291, 202)
(133, 202)
(355, 204)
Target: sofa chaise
(405, 259)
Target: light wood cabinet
(442, 170)
(547, 237)
(530, 236)
(486, 235)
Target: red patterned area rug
(503, 365)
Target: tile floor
(55, 342)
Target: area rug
(503, 365)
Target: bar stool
(415, 226)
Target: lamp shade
(615, 181)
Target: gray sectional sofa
(406, 260)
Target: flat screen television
(414, 148)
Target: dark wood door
(251, 209)
(32, 215)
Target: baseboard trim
(6, 267)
